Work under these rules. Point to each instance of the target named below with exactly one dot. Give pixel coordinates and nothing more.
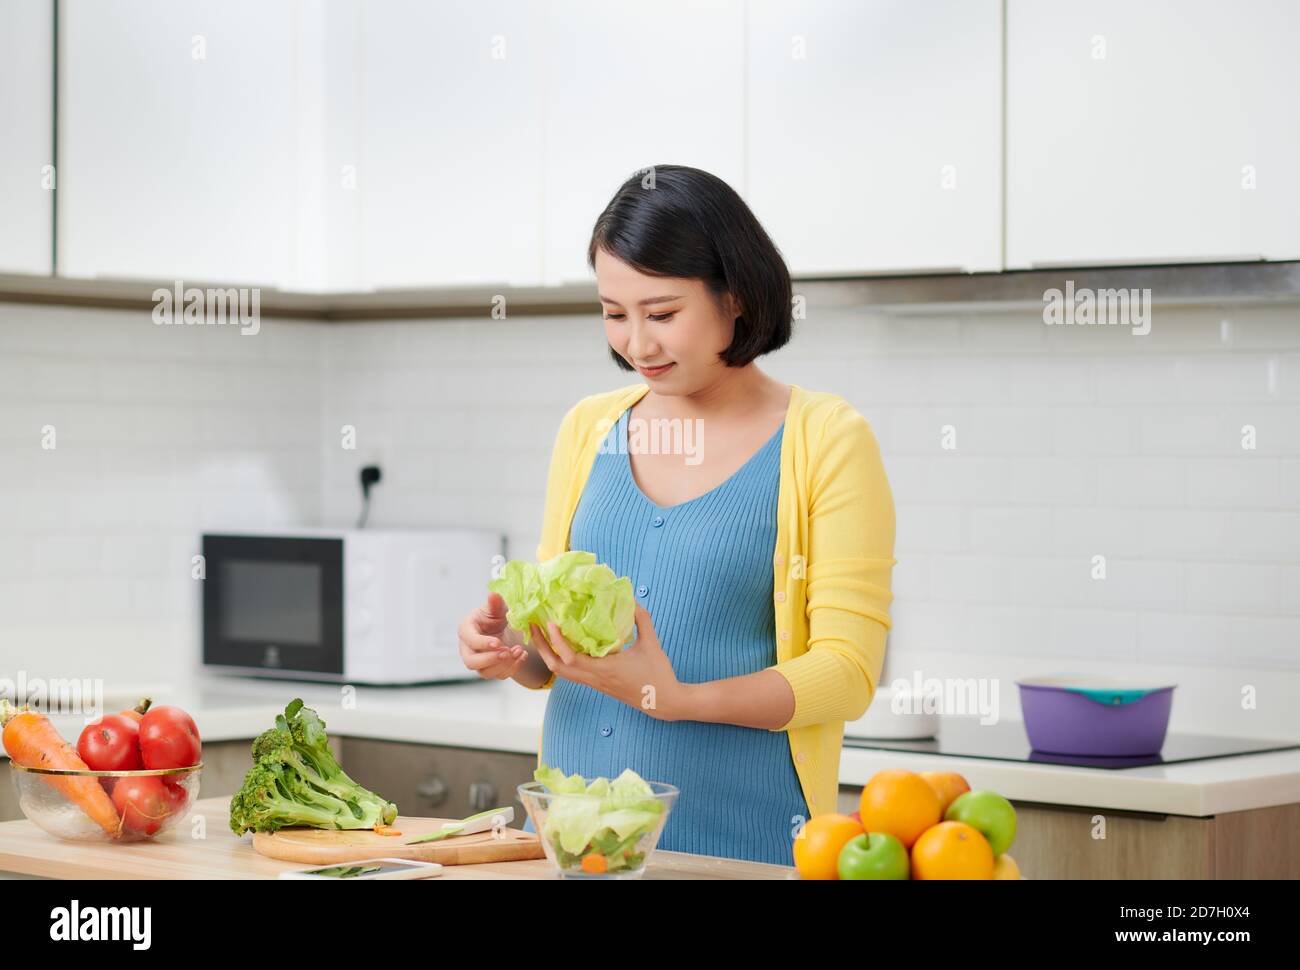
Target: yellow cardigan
(831, 566)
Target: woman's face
(657, 320)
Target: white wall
(160, 432)
(1072, 441)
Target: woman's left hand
(640, 675)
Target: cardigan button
(641, 591)
(780, 596)
(657, 521)
(780, 560)
(801, 757)
(785, 634)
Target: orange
(817, 847)
(899, 802)
(1005, 868)
(952, 850)
(947, 785)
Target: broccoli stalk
(296, 780)
(265, 803)
(299, 741)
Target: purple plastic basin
(1093, 719)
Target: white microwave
(364, 606)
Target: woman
(761, 540)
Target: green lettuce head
(593, 608)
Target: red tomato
(169, 739)
(176, 794)
(142, 802)
(111, 744)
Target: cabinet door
(1155, 132)
(450, 121)
(179, 142)
(429, 781)
(27, 121)
(875, 133)
(629, 86)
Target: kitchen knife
(482, 822)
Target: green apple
(989, 814)
(877, 855)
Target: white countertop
(502, 716)
(495, 715)
(1232, 784)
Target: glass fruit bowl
(584, 842)
(62, 802)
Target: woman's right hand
(487, 645)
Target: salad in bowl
(598, 829)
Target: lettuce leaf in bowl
(603, 816)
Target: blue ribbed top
(703, 569)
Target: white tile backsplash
(1247, 481)
(160, 432)
(1071, 442)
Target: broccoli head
(296, 781)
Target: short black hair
(677, 221)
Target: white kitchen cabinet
(629, 86)
(874, 140)
(184, 135)
(27, 123)
(1155, 132)
(450, 169)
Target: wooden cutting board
(326, 846)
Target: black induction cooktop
(965, 737)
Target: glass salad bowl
(66, 802)
(602, 833)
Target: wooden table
(214, 852)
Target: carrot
(32, 741)
(382, 829)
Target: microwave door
(274, 603)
